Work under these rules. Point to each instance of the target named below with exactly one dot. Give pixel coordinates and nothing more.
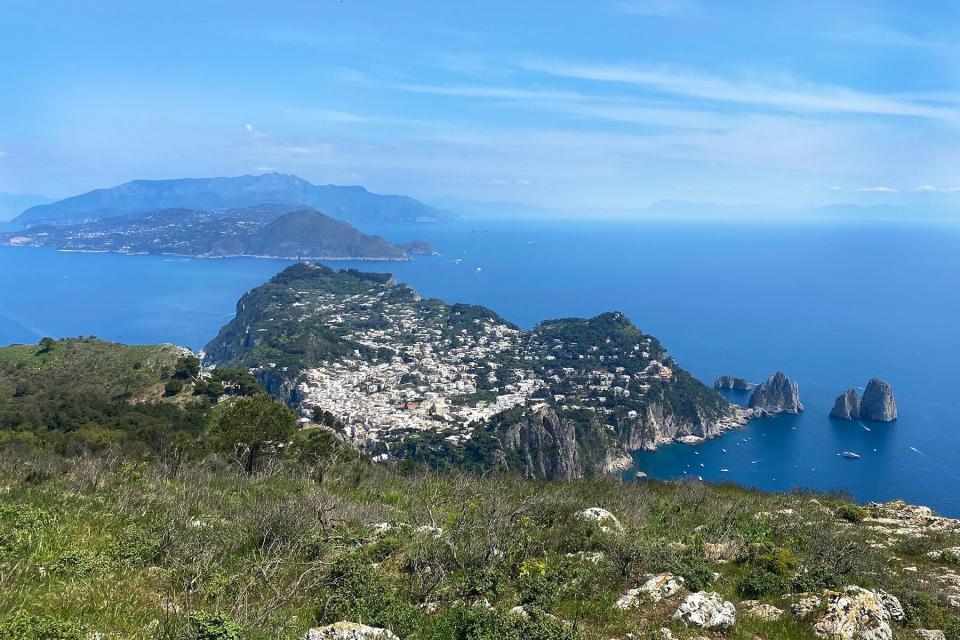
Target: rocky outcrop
(732, 382)
(606, 521)
(349, 631)
(858, 614)
(878, 403)
(761, 611)
(654, 589)
(777, 394)
(707, 610)
(847, 406)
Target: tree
(46, 345)
(251, 424)
(186, 368)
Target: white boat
(724, 470)
(849, 454)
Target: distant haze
(604, 106)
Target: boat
(724, 470)
(849, 454)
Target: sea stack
(847, 406)
(731, 382)
(778, 394)
(878, 403)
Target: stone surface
(732, 382)
(655, 588)
(805, 605)
(776, 395)
(349, 631)
(847, 406)
(856, 614)
(878, 402)
(762, 611)
(607, 522)
(931, 634)
(707, 610)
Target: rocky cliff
(777, 394)
(878, 402)
(847, 406)
(732, 382)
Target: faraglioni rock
(732, 382)
(847, 406)
(777, 394)
(878, 403)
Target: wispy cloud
(658, 8)
(929, 188)
(783, 94)
(877, 190)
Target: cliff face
(777, 394)
(546, 446)
(878, 402)
(847, 406)
(658, 426)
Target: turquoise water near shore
(830, 304)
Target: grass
(133, 549)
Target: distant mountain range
(11, 204)
(353, 204)
(263, 231)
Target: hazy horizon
(609, 106)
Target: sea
(830, 304)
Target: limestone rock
(856, 614)
(732, 382)
(931, 634)
(777, 394)
(878, 402)
(349, 631)
(656, 588)
(805, 605)
(847, 406)
(607, 522)
(766, 612)
(707, 610)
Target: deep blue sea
(830, 304)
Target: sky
(594, 104)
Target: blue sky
(606, 104)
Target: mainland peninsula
(268, 231)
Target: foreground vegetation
(136, 501)
(132, 549)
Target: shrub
(24, 627)
(173, 387)
(760, 582)
(214, 626)
(479, 623)
(354, 591)
(851, 512)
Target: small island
(777, 394)
(732, 383)
(877, 404)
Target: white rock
(931, 634)
(349, 631)
(656, 588)
(855, 614)
(762, 611)
(806, 605)
(607, 521)
(707, 610)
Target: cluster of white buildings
(417, 366)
